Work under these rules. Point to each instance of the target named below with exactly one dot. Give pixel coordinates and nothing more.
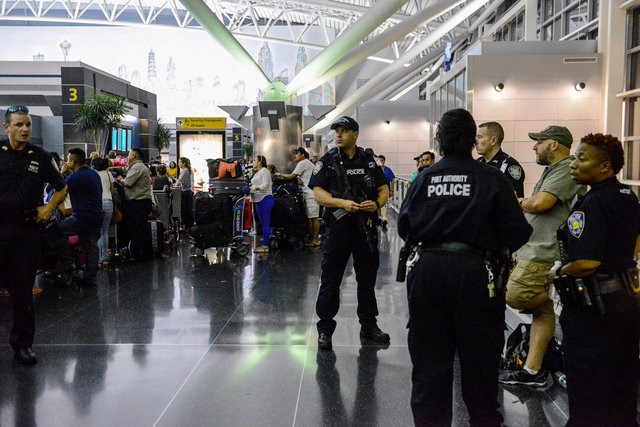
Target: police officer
(351, 185)
(488, 145)
(458, 213)
(600, 340)
(24, 170)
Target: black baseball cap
(347, 123)
(300, 150)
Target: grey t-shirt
(304, 169)
(543, 245)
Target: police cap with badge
(346, 123)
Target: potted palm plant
(98, 115)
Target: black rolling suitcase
(209, 208)
(213, 214)
(289, 215)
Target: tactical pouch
(565, 291)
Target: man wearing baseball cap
(545, 210)
(348, 182)
(303, 171)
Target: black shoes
(324, 341)
(375, 334)
(25, 356)
(540, 381)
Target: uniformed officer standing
(24, 170)
(600, 340)
(488, 145)
(458, 213)
(351, 185)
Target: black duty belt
(454, 247)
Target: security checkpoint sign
(201, 123)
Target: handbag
(116, 217)
(155, 208)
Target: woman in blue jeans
(101, 165)
(263, 199)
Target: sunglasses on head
(16, 108)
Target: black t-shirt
(460, 200)
(510, 168)
(362, 165)
(23, 175)
(603, 226)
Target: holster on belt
(596, 288)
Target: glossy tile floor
(223, 342)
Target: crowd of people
(579, 231)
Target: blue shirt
(389, 174)
(85, 192)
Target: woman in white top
(186, 193)
(263, 199)
(101, 165)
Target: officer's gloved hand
(246, 190)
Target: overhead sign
(132, 109)
(201, 123)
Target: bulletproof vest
(367, 185)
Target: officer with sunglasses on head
(24, 170)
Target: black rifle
(356, 196)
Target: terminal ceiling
(254, 19)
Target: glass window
(451, 88)
(443, 100)
(436, 106)
(460, 90)
(633, 120)
(548, 9)
(548, 32)
(520, 27)
(634, 71)
(635, 28)
(576, 17)
(632, 160)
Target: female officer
(601, 237)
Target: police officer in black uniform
(24, 170)
(352, 186)
(601, 333)
(458, 214)
(488, 144)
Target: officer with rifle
(349, 183)
(461, 218)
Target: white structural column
(368, 22)
(530, 20)
(612, 46)
(375, 44)
(210, 22)
(364, 91)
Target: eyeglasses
(16, 108)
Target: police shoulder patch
(317, 168)
(575, 223)
(515, 171)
